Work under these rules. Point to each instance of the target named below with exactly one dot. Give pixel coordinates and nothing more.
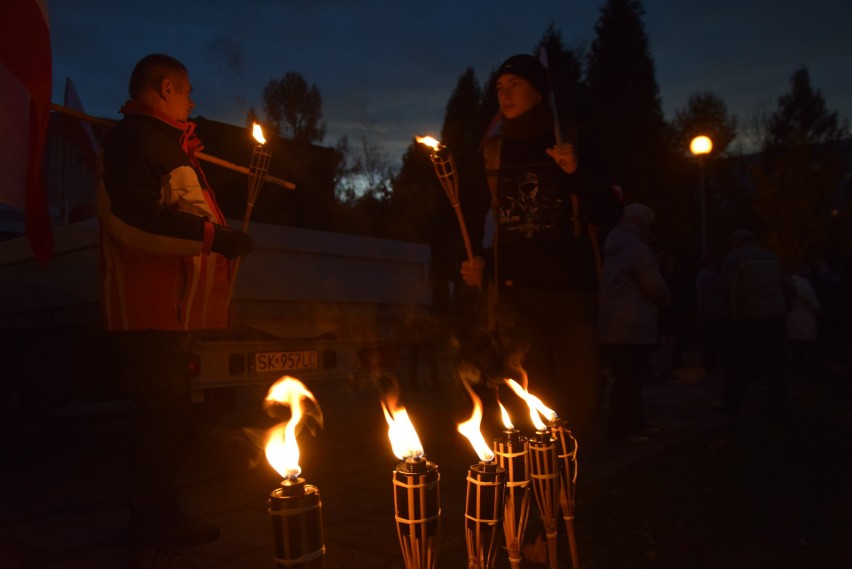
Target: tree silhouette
(802, 117)
(801, 172)
(293, 109)
(566, 71)
(622, 120)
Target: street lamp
(701, 146)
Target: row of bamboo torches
(497, 501)
(498, 487)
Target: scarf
(532, 123)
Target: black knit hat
(530, 68)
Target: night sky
(386, 69)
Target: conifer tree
(622, 120)
(801, 173)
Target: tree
(802, 117)
(801, 172)
(367, 171)
(463, 121)
(363, 188)
(622, 120)
(293, 109)
(705, 113)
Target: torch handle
(465, 236)
(200, 155)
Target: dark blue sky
(386, 68)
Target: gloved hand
(231, 243)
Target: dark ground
(707, 493)
(754, 493)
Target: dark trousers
(630, 366)
(756, 350)
(155, 364)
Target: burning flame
(537, 408)
(507, 421)
(429, 141)
(470, 429)
(403, 438)
(282, 450)
(257, 133)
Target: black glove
(231, 243)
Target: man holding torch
(544, 252)
(166, 255)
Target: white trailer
(313, 304)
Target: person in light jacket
(802, 323)
(632, 291)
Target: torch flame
(257, 133)
(537, 408)
(282, 450)
(403, 437)
(470, 429)
(429, 141)
(507, 421)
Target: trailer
(317, 305)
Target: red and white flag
(25, 84)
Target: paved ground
(64, 504)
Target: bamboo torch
(486, 489)
(566, 448)
(295, 507)
(544, 468)
(416, 489)
(445, 168)
(258, 168)
(512, 450)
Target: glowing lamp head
(257, 133)
(701, 145)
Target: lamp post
(701, 146)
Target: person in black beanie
(543, 257)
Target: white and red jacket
(157, 219)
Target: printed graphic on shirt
(527, 205)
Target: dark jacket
(157, 223)
(546, 219)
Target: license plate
(284, 361)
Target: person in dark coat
(632, 292)
(759, 292)
(545, 209)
